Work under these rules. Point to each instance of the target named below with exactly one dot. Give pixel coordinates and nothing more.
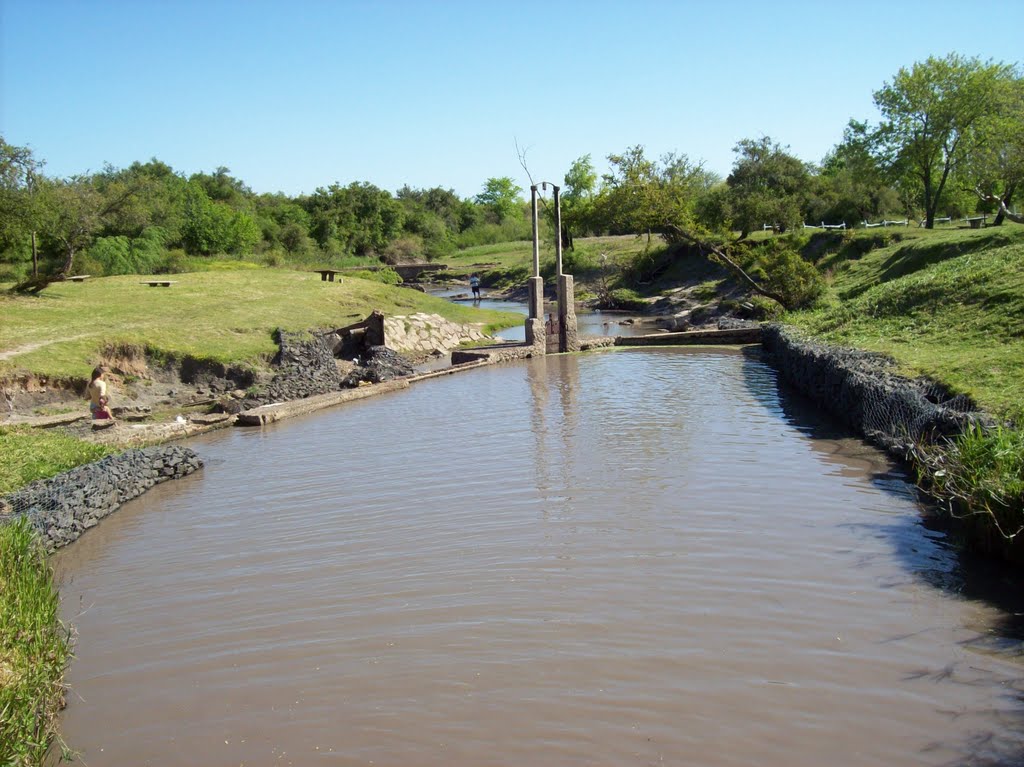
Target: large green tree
(856, 180)
(359, 218)
(767, 185)
(929, 115)
(644, 196)
(19, 204)
(500, 197)
(994, 167)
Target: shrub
(387, 275)
(784, 272)
(173, 262)
(404, 250)
(624, 298)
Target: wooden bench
(158, 283)
(78, 277)
(327, 275)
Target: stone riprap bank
(863, 390)
(63, 507)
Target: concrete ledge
(596, 342)
(494, 353)
(260, 416)
(449, 370)
(730, 337)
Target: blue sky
(296, 95)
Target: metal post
(558, 233)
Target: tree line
(950, 142)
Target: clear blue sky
(300, 94)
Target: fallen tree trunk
(706, 248)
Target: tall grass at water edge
(979, 478)
(35, 648)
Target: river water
(633, 557)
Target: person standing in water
(474, 284)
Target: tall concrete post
(558, 231)
(568, 335)
(535, 335)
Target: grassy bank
(946, 304)
(31, 455)
(225, 316)
(35, 648)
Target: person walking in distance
(474, 283)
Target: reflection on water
(635, 557)
(588, 322)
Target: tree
(856, 179)
(928, 116)
(213, 227)
(577, 198)
(767, 186)
(994, 167)
(640, 195)
(359, 218)
(500, 197)
(19, 210)
(72, 213)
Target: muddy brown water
(637, 557)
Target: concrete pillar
(568, 336)
(558, 232)
(535, 335)
(536, 298)
(536, 235)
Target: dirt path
(6, 355)
(23, 349)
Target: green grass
(31, 455)
(227, 316)
(979, 478)
(35, 648)
(947, 304)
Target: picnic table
(327, 275)
(158, 283)
(78, 277)
(976, 221)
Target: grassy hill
(947, 304)
(226, 316)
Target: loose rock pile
(63, 507)
(380, 364)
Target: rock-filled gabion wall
(863, 390)
(63, 507)
(305, 368)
